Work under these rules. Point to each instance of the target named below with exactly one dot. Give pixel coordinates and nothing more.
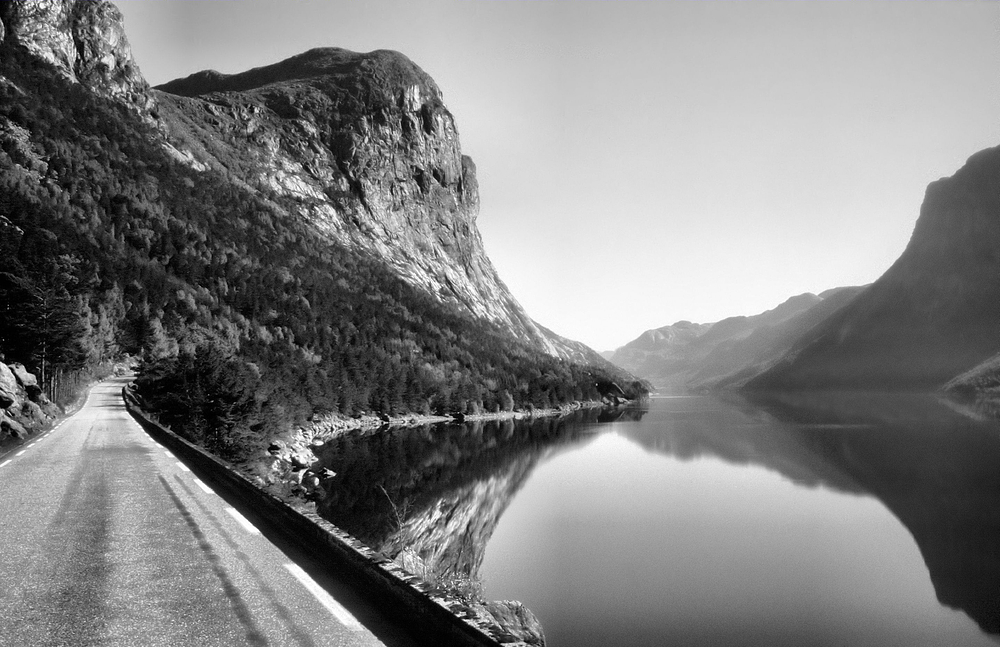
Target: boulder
(10, 427)
(32, 414)
(8, 387)
(27, 380)
(518, 621)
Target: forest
(243, 320)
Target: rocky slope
(367, 148)
(361, 143)
(932, 315)
(686, 357)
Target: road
(107, 539)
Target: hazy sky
(643, 162)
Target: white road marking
(243, 521)
(203, 487)
(168, 453)
(324, 598)
(20, 452)
(5, 462)
(183, 466)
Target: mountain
(932, 316)
(686, 357)
(366, 148)
(293, 240)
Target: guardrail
(436, 619)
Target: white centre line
(183, 466)
(204, 487)
(168, 453)
(5, 462)
(324, 598)
(20, 452)
(243, 521)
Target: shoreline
(335, 424)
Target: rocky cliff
(85, 40)
(360, 145)
(933, 315)
(366, 147)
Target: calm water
(831, 521)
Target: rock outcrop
(85, 40)
(8, 387)
(24, 409)
(519, 621)
(933, 315)
(27, 380)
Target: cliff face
(933, 315)
(85, 40)
(365, 146)
(360, 145)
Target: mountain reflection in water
(435, 494)
(937, 471)
(438, 493)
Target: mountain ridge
(687, 357)
(931, 316)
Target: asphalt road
(107, 539)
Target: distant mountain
(296, 239)
(686, 357)
(932, 316)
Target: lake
(827, 520)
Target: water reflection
(435, 496)
(431, 497)
(936, 470)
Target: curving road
(106, 539)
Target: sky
(642, 162)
